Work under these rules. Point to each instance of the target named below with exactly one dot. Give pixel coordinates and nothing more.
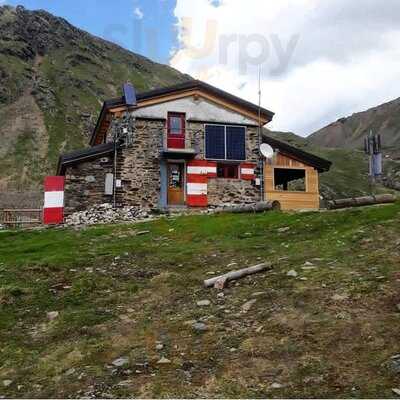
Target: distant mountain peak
(349, 132)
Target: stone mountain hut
(189, 145)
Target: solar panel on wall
(235, 143)
(215, 142)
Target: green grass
(118, 293)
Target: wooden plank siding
(290, 200)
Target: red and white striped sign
(198, 172)
(247, 171)
(53, 210)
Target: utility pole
(260, 134)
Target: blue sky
(150, 31)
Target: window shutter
(235, 143)
(215, 142)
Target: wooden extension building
(292, 176)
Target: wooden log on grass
(251, 208)
(361, 201)
(233, 275)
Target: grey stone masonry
(138, 168)
(84, 184)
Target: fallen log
(234, 275)
(251, 208)
(361, 201)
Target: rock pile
(106, 214)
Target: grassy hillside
(53, 79)
(128, 295)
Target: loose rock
(396, 391)
(203, 303)
(276, 385)
(105, 214)
(164, 360)
(7, 382)
(339, 297)
(257, 294)
(52, 315)
(200, 327)
(284, 229)
(292, 273)
(394, 364)
(119, 362)
(247, 306)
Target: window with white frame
(225, 142)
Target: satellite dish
(266, 150)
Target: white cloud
(341, 56)
(138, 13)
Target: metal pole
(115, 174)
(260, 135)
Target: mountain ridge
(349, 132)
(54, 77)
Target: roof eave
(65, 161)
(319, 163)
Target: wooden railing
(14, 218)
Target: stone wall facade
(85, 184)
(222, 192)
(139, 168)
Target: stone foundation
(231, 191)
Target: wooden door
(176, 184)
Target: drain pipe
(115, 174)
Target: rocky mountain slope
(53, 78)
(349, 132)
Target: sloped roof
(319, 163)
(185, 86)
(90, 153)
